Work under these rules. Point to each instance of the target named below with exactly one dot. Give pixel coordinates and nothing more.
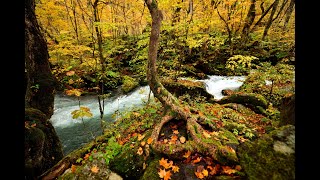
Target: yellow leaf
(162, 173)
(228, 170)
(175, 132)
(175, 168)
(205, 173)
(140, 151)
(143, 143)
(206, 134)
(94, 169)
(149, 141)
(140, 137)
(182, 139)
(165, 140)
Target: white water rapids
(73, 134)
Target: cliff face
(43, 148)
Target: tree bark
(288, 15)
(249, 20)
(40, 81)
(270, 20)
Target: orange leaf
(213, 170)
(140, 151)
(196, 160)
(175, 168)
(149, 141)
(199, 175)
(162, 173)
(73, 168)
(70, 73)
(33, 125)
(227, 170)
(167, 176)
(175, 131)
(182, 139)
(164, 162)
(187, 154)
(238, 168)
(86, 156)
(95, 169)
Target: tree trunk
(270, 20)
(40, 81)
(178, 110)
(249, 21)
(288, 15)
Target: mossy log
(256, 102)
(65, 163)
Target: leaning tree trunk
(177, 110)
(40, 81)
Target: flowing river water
(74, 134)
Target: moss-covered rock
(270, 157)
(181, 87)
(251, 100)
(43, 148)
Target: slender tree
(175, 108)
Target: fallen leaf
(173, 139)
(73, 168)
(33, 125)
(196, 160)
(162, 134)
(182, 139)
(215, 133)
(144, 165)
(174, 126)
(205, 173)
(149, 141)
(165, 140)
(94, 169)
(162, 173)
(132, 145)
(175, 168)
(228, 170)
(164, 162)
(143, 143)
(140, 151)
(238, 168)
(70, 73)
(167, 176)
(175, 131)
(206, 134)
(199, 175)
(214, 170)
(140, 137)
(187, 154)
(86, 156)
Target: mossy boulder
(43, 148)
(254, 101)
(181, 87)
(270, 157)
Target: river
(72, 132)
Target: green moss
(260, 161)
(151, 171)
(129, 84)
